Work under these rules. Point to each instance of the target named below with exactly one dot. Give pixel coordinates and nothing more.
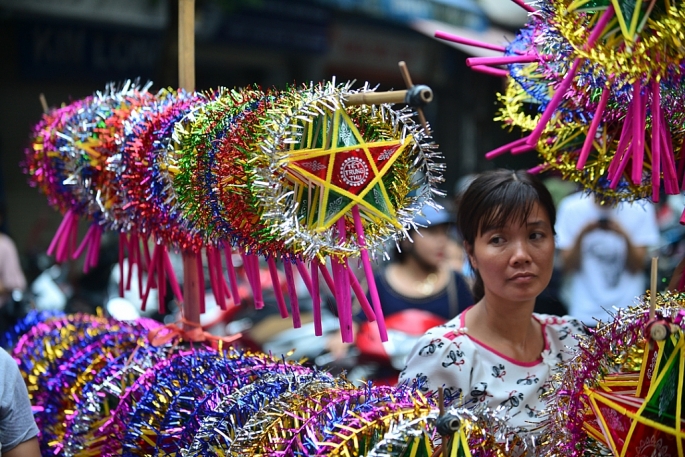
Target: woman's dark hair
(494, 198)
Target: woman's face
(516, 261)
(429, 247)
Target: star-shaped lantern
(642, 416)
(333, 168)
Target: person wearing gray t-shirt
(18, 430)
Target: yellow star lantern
(333, 168)
(642, 417)
(337, 180)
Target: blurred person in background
(604, 253)
(18, 430)
(11, 275)
(12, 279)
(455, 251)
(420, 277)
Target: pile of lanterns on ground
(105, 387)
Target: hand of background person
(613, 226)
(603, 224)
(336, 347)
(591, 227)
(677, 274)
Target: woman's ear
(468, 248)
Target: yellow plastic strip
(602, 422)
(634, 19)
(621, 20)
(637, 417)
(576, 5)
(679, 403)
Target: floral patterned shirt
(472, 372)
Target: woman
(498, 351)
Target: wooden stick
(652, 293)
(376, 98)
(186, 79)
(43, 102)
(419, 94)
(186, 44)
(410, 84)
(441, 407)
(405, 74)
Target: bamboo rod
(43, 102)
(652, 290)
(423, 95)
(186, 44)
(186, 79)
(376, 98)
(408, 82)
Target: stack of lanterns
(295, 176)
(597, 86)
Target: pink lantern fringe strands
(375, 299)
(280, 300)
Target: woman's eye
(496, 239)
(536, 236)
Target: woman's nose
(520, 253)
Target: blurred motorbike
(369, 358)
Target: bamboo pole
(186, 79)
(652, 285)
(43, 102)
(376, 98)
(408, 82)
(423, 95)
(186, 44)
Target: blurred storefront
(68, 49)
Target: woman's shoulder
(553, 321)
(560, 330)
(452, 330)
(443, 356)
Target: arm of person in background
(29, 448)
(11, 275)
(571, 258)
(677, 275)
(335, 345)
(635, 259)
(18, 430)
